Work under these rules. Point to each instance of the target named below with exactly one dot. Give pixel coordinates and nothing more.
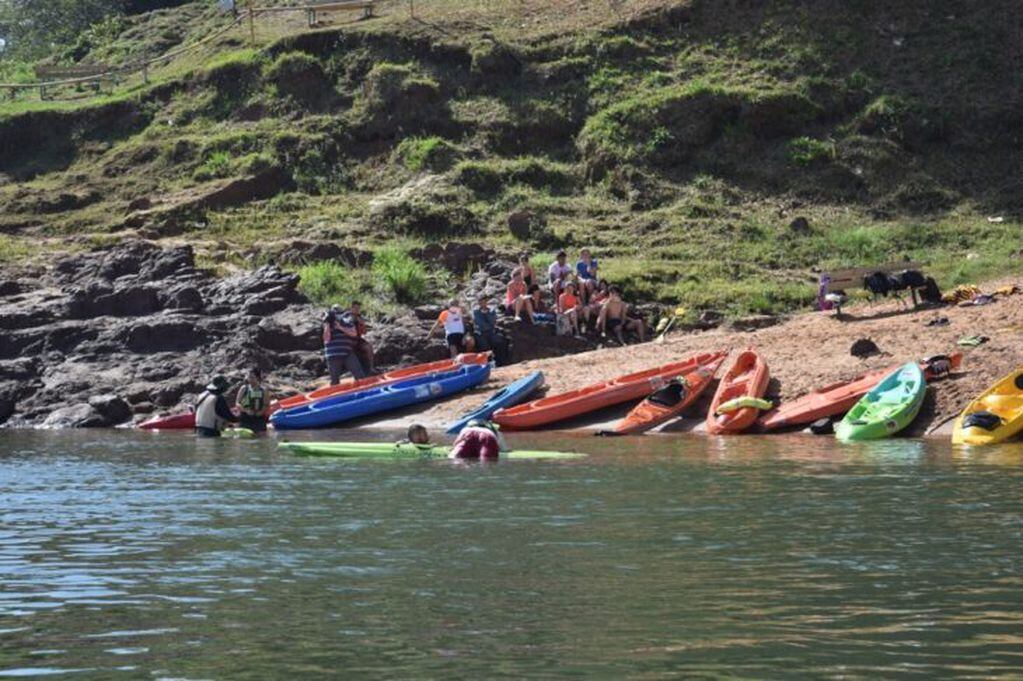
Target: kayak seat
(669, 395)
(1019, 381)
(982, 419)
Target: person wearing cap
(480, 439)
(252, 401)
(212, 413)
(484, 322)
(338, 339)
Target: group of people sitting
(581, 301)
(475, 333)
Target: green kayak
(890, 406)
(390, 450)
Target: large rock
(112, 408)
(75, 416)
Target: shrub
(804, 151)
(327, 282)
(490, 177)
(406, 278)
(217, 164)
(299, 76)
(419, 153)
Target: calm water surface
(126, 555)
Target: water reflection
(673, 555)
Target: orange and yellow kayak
(838, 398)
(381, 379)
(671, 400)
(747, 377)
(597, 396)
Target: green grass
(406, 278)
(329, 283)
(804, 151)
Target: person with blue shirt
(586, 273)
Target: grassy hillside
(679, 140)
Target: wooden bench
(852, 277)
(82, 71)
(365, 5)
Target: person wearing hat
(211, 410)
(338, 341)
(480, 439)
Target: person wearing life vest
(211, 410)
(338, 341)
(252, 401)
(480, 439)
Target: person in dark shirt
(488, 337)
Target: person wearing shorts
(453, 322)
(478, 440)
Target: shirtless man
(614, 318)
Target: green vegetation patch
(426, 153)
(493, 176)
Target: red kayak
(186, 421)
(671, 400)
(747, 377)
(597, 396)
(381, 379)
(838, 398)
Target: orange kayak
(838, 398)
(604, 394)
(747, 377)
(671, 400)
(381, 379)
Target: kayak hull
(185, 421)
(381, 380)
(747, 377)
(887, 408)
(650, 413)
(838, 398)
(347, 406)
(567, 405)
(512, 394)
(387, 450)
(1003, 400)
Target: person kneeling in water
(478, 440)
(211, 410)
(252, 401)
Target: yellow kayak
(995, 416)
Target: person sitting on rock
(541, 311)
(526, 270)
(212, 414)
(361, 347)
(597, 300)
(557, 273)
(484, 321)
(586, 273)
(338, 340)
(252, 402)
(570, 306)
(614, 318)
(516, 300)
(453, 321)
(480, 439)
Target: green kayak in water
(890, 406)
(391, 450)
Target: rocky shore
(109, 337)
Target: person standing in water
(212, 414)
(480, 439)
(252, 402)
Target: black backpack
(931, 293)
(877, 283)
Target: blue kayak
(346, 406)
(508, 396)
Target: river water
(141, 555)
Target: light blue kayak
(508, 396)
(888, 408)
